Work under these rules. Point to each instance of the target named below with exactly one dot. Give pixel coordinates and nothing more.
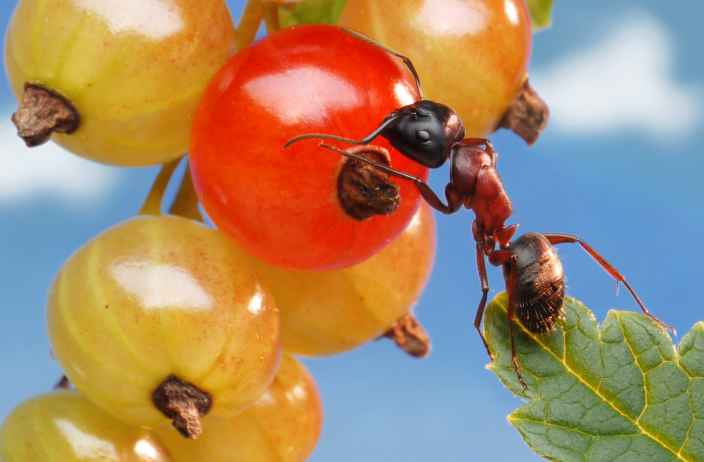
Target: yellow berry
(282, 426)
(470, 55)
(133, 69)
(63, 426)
(328, 312)
(155, 298)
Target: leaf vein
(627, 342)
(692, 419)
(565, 427)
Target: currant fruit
(133, 71)
(327, 312)
(482, 48)
(161, 310)
(282, 426)
(283, 204)
(64, 426)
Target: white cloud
(48, 170)
(625, 81)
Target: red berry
(280, 203)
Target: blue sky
(620, 165)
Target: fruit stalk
(249, 23)
(271, 17)
(186, 202)
(152, 203)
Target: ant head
(425, 131)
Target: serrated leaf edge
(676, 359)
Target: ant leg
(481, 268)
(454, 199)
(514, 357)
(500, 258)
(403, 58)
(609, 268)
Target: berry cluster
(177, 336)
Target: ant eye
(423, 136)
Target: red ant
(430, 133)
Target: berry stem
(186, 202)
(184, 404)
(152, 204)
(43, 112)
(410, 336)
(271, 17)
(249, 23)
(528, 114)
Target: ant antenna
(387, 169)
(366, 140)
(403, 58)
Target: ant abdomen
(535, 282)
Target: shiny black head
(424, 131)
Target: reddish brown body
(474, 178)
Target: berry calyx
(43, 112)
(184, 404)
(365, 191)
(283, 425)
(527, 116)
(410, 336)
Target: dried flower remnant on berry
(184, 404)
(43, 112)
(410, 336)
(364, 190)
(527, 116)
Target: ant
(431, 133)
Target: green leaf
(311, 12)
(615, 392)
(540, 13)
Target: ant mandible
(430, 133)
